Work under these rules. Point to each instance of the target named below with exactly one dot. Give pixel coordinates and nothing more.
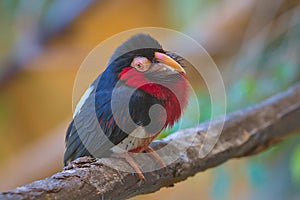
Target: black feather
(135, 44)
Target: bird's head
(141, 61)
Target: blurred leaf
(222, 184)
(295, 165)
(242, 93)
(205, 106)
(284, 70)
(257, 172)
(181, 13)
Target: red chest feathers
(173, 94)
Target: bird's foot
(131, 162)
(156, 157)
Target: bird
(143, 90)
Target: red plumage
(174, 95)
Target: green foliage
(222, 184)
(257, 173)
(295, 166)
(274, 69)
(182, 12)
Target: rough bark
(246, 132)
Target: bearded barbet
(143, 90)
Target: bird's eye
(141, 64)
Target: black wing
(95, 129)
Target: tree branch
(246, 132)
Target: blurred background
(256, 45)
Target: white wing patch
(134, 140)
(84, 97)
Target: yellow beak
(167, 60)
